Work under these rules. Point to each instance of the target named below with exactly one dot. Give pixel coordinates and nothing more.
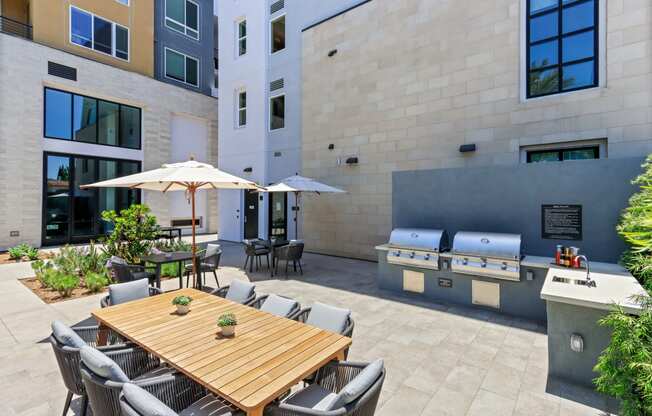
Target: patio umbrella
(298, 185)
(189, 176)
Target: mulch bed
(4, 258)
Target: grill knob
(412, 255)
(398, 253)
(504, 266)
(465, 262)
(427, 257)
(484, 263)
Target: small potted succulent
(182, 303)
(227, 323)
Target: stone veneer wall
(23, 75)
(412, 80)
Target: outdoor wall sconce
(332, 53)
(466, 148)
(576, 343)
(353, 160)
(331, 146)
(248, 170)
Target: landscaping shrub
(67, 260)
(31, 253)
(23, 250)
(64, 283)
(92, 260)
(134, 230)
(95, 282)
(625, 367)
(41, 270)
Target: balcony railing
(15, 28)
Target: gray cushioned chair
(207, 262)
(135, 401)
(278, 305)
(104, 379)
(67, 342)
(126, 292)
(238, 291)
(293, 252)
(122, 272)
(330, 318)
(254, 250)
(340, 388)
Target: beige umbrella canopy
(189, 176)
(298, 185)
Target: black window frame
(559, 37)
(97, 124)
(71, 238)
(270, 212)
(560, 152)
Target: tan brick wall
(23, 75)
(414, 79)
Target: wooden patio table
(267, 355)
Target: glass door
(278, 224)
(56, 211)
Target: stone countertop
(610, 289)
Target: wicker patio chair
(238, 291)
(104, 379)
(278, 305)
(122, 272)
(330, 318)
(207, 262)
(135, 401)
(254, 251)
(341, 388)
(289, 253)
(66, 347)
(126, 292)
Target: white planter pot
(228, 331)
(183, 309)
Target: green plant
(228, 319)
(173, 245)
(67, 260)
(92, 260)
(625, 367)
(182, 300)
(32, 253)
(41, 270)
(134, 229)
(95, 282)
(64, 283)
(23, 250)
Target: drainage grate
(62, 71)
(276, 6)
(276, 85)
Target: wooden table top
(267, 355)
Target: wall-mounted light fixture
(466, 148)
(576, 343)
(332, 53)
(331, 146)
(248, 169)
(353, 160)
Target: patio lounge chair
(340, 388)
(254, 252)
(208, 261)
(330, 318)
(122, 272)
(277, 305)
(126, 292)
(238, 291)
(135, 401)
(290, 253)
(66, 344)
(103, 379)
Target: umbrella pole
(194, 247)
(296, 215)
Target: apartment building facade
(260, 107)
(81, 102)
(413, 88)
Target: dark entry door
(278, 223)
(251, 214)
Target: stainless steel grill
(487, 254)
(417, 247)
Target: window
(85, 119)
(242, 37)
(277, 112)
(278, 34)
(559, 155)
(125, 2)
(181, 67)
(99, 34)
(182, 16)
(562, 46)
(242, 109)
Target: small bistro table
(169, 233)
(175, 257)
(265, 358)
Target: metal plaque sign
(561, 222)
(445, 282)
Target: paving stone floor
(440, 359)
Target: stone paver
(441, 360)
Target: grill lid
(419, 239)
(504, 246)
